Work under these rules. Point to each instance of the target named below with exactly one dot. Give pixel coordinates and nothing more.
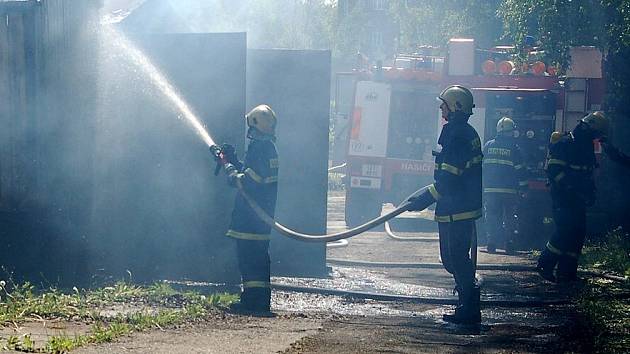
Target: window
(377, 5)
(380, 4)
(376, 39)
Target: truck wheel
(361, 206)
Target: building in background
(378, 30)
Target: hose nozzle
(217, 153)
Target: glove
(229, 152)
(232, 175)
(420, 202)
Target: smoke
(101, 171)
(291, 24)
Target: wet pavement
(376, 246)
(409, 327)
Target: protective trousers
(254, 265)
(500, 209)
(455, 242)
(565, 245)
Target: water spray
(161, 82)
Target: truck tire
(361, 206)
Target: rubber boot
(469, 312)
(567, 270)
(247, 303)
(263, 301)
(546, 264)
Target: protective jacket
(503, 170)
(457, 175)
(570, 166)
(260, 181)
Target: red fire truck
(390, 122)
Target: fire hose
(473, 239)
(222, 161)
(320, 238)
(392, 235)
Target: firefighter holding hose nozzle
(458, 193)
(257, 175)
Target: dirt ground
(315, 323)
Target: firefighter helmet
(598, 122)
(505, 125)
(457, 98)
(263, 119)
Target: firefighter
(570, 165)
(503, 182)
(258, 174)
(457, 191)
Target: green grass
(22, 303)
(607, 319)
(612, 253)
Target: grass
(612, 253)
(607, 318)
(22, 303)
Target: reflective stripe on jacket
(260, 181)
(458, 173)
(503, 170)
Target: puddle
(357, 279)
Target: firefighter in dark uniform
(570, 166)
(458, 192)
(503, 182)
(258, 175)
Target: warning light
(538, 68)
(506, 67)
(489, 67)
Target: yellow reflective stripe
(556, 162)
(553, 249)
(523, 183)
(459, 217)
(475, 160)
(253, 175)
(559, 176)
(247, 236)
(434, 192)
(455, 170)
(518, 167)
(448, 168)
(498, 162)
(273, 163)
(499, 190)
(256, 284)
(579, 167)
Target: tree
(433, 22)
(558, 24)
(604, 23)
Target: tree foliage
(433, 22)
(558, 24)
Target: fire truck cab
(393, 120)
